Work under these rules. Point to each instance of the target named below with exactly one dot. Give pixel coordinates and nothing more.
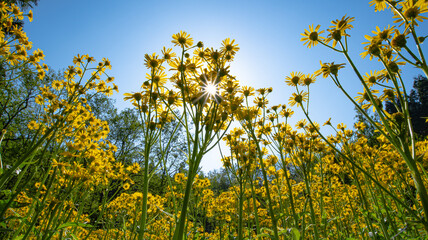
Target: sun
(210, 89)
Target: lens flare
(210, 89)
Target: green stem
(241, 206)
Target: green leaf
(73, 224)
(19, 237)
(262, 235)
(295, 233)
(267, 229)
(74, 236)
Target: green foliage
(418, 106)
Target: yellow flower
(160, 79)
(380, 5)
(134, 97)
(126, 186)
(200, 53)
(329, 68)
(228, 46)
(77, 60)
(39, 100)
(183, 39)
(339, 29)
(286, 113)
(30, 16)
(152, 61)
(312, 37)
(411, 11)
(298, 98)
(17, 12)
(167, 54)
(4, 7)
(384, 34)
(372, 78)
(178, 66)
(33, 125)
(247, 91)
(341, 126)
(343, 24)
(308, 79)
(360, 126)
(301, 124)
(364, 96)
(294, 79)
(106, 63)
(58, 85)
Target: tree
(369, 130)
(219, 180)
(23, 4)
(418, 106)
(18, 107)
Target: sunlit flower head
(312, 36)
(167, 54)
(298, 98)
(328, 122)
(30, 16)
(371, 78)
(329, 68)
(380, 5)
(412, 12)
(182, 39)
(294, 79)
(343, 24)
(383, 34)
(229, 46)
(247, 91)
(308, 79)
(152, 61)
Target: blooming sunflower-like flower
(338, 29)
(384, 34)
(77, 60)
(168, 54)
(152, 61)
(182, 39)
(412, 11)
(298, 98)
(133, 97)
(247, 91)
(380, 5)
(312, 36)
(371, 78)
(294, 79)
(329, 68)
(159, 79)
(308, 79)
(229, 46)
(58, 85)
(328, 122)
(200, 53)
(364, 96)
(373, 49)
(343, 24)
(30, 16)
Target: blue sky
(268, 33)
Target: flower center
(313, 36)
